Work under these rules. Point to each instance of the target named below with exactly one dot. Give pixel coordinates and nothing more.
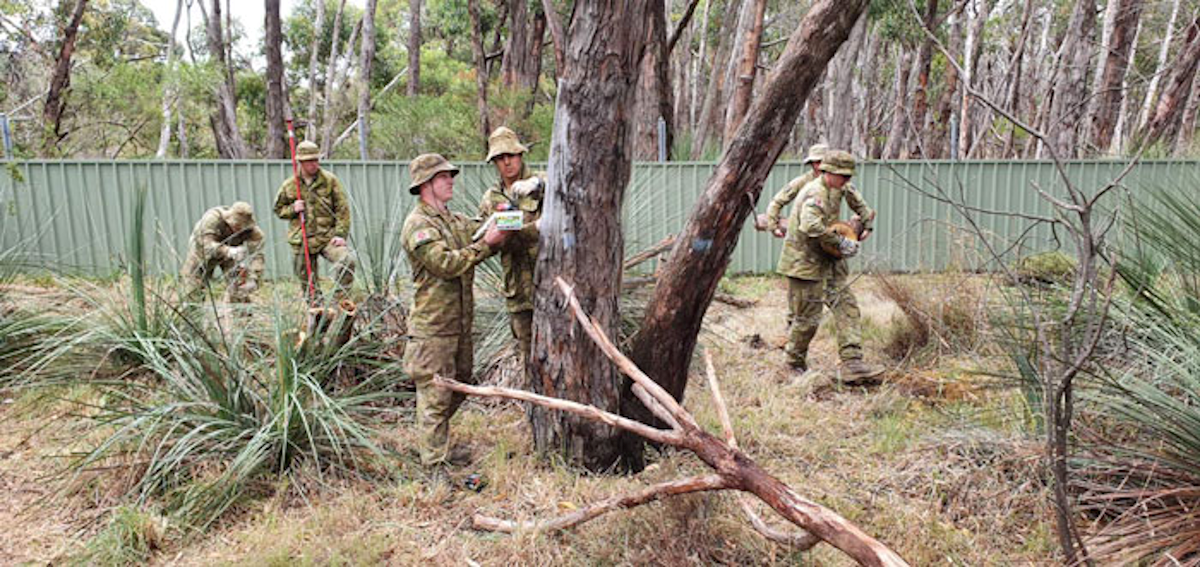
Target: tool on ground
(303, 225)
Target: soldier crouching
(228, 238)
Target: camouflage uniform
(443, 258)
(213, 244)
(788, 194)
(518, 255)
(815, 278)
(327, 215)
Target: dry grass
(943, 483)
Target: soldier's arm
(284, 199)
(812, 222)
(781, 199)
(428, 247)
(859, 205)
(341, 210)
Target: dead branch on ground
(733, 468)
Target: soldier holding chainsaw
(814, 261)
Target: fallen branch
(650, 253)
(734, 469)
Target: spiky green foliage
(130, 538)
(217, 418)
(381, 253)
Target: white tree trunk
(310, 127)
(1163, 50)
(169, 88)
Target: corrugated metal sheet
(75, 214)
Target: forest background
(391, 79)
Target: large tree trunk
(1112, 79)
(921, 92)
(481, 75)
(664, 345)
(60, 82)
(750, 24)
(414, 47)
(654, 96)
(1187, 125)
(367, 54)
(277, 146)
(1160, 68)
(1165, 120)
(170, 87)
(310, 127)
(971, 55)
(714, 95)
(225, 128)
(590, 162)
(519, 68)
(937, 136)
(1070, 91)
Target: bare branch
(583, 410)
(592, 511)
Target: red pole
(303, 228)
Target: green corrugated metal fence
(75, 214)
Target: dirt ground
(933, 462)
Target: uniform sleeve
(856, 202)
(341, 209)
(812, 223)
(210, 237)
(782, 198)
(428, 246)
(284, 197)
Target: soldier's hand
(779, 232)
(847, 247)
(865, 234)
(531, 187)
(494, 236)
(298, 206)
(337, 241)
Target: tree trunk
(697, 72)
(840, 81)
(653, 100)
(921, 92)
(750, 25)
(1161, 68)
(481, 76)
(664, 345)
(714, 94)
(310, 126)
(60, 82)
(896, 134)
(1166, 118)
(414, 48)
(1124, 114)
(1015, 76)
(170, 87)
(277, 146)
(367, 54)
(184, 150)
(936, 139)
(971, 53)
(328, 113)
(557, 35)
(1070, 91)
(225, 128)
(518, 69)
(1116, 62)
(590, 151)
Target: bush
(1046, 268)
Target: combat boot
(855, 372)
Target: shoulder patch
(421, 236)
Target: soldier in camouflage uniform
(787, 195)
(442, 256)
(327, 220)
(517, 189)
(815, 278)
(226, 238)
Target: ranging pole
(303, 227)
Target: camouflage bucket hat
(816, 152)
(839, 162)
(239, 214)
(423, 167)
(504, 141)
(307, 151)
